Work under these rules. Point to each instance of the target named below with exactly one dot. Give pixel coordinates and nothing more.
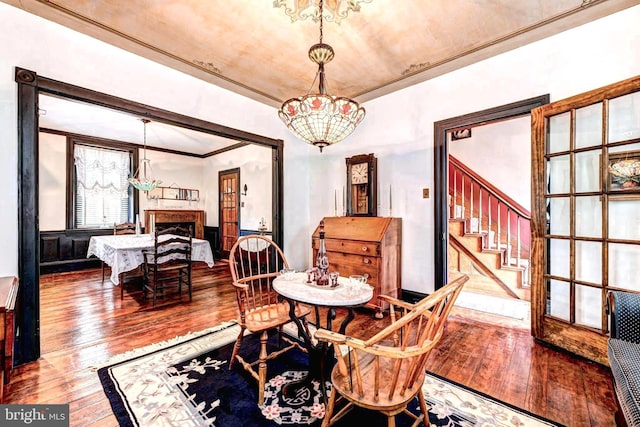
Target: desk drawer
(350, 247)
(348, 264)
(359, 261)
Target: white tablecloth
(124, 252)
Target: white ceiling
(254, 48)
(87, 119)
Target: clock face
(360, 173)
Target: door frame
(441, 170)
(30, 85)
(220, 193)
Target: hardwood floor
(84, 323)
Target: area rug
(187, 382)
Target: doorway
(229, 189)
(449, 204)
(30, 86)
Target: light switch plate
(425, 193)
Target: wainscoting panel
(49, 248)
(67, 250)
(212, 234)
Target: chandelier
(144, 183)
(321, 119)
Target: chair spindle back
(255, 260)
(387, 370)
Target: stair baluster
(502, 232)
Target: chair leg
(103, 272)
(262, 366)
(423, 409)
(280, 329)
(391, 421)
(326, 422)
(155, 290)
(236, 348)
(145, 284)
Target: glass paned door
(586, 220)
(229, 189)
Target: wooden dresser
(371, 245)
(177, 216)
(8, 294)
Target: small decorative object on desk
(287, 273)
(357, 282)
(137, 224)
(312, 275)
(322, 261)
(152, 224)
(262, 226)
(333, 277)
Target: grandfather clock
(362, 185)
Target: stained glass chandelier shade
(321, 119)
(140, 180)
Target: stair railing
(503, 223)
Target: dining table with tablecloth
(125, 252)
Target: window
(101, 193)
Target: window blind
(102, 194)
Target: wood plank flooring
(84, 323)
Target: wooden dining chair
(386, 372)
(124, 228)
(254, 261)
(168, 264)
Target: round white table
(297, 289)
(343, 295)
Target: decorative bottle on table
(322, 261)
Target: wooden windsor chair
(386, 372)
(255, 260)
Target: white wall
(52, 181)
(398, 128)
(255, 171)
(509, 140)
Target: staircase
(489, 235)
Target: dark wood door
(229, 188)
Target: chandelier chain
(321, 1)
(144, 139)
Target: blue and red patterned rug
(187, 382)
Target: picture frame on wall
(460, 134)
(623, 172)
